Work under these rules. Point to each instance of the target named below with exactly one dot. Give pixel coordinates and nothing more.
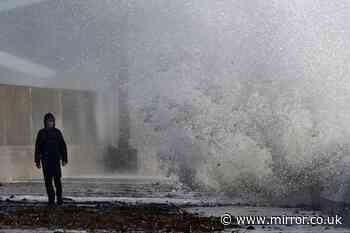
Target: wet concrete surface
(120, 204)
(123, 186)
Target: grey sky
(256, 39)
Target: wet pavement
(121, 186)
(122, 204)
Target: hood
(49, 116)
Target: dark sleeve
(63, 147)
(37, 151)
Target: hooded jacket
(50, 145)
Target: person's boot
(51, 201)
(59, 201)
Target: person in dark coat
(50, 150)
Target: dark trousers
(50, 190)
(52, 173)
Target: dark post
(127, 156)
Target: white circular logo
(226, 219)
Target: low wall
(18, 162)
